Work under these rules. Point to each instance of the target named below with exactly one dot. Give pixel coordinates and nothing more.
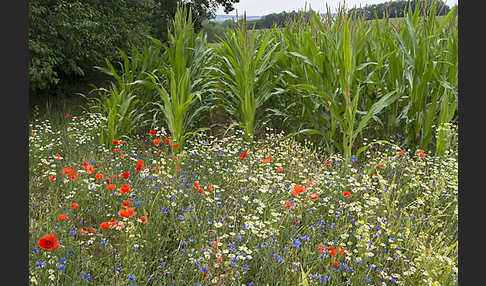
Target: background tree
(395, 9)
(67, 38)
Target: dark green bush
(68, 38)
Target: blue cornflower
(204, 268)
(164, 211)
(104, 243)
(86, 277)
(277, 257)
(296, 243)
(40, 264)
(181, 217)
(61, 266)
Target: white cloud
(264, 7)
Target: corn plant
(244, 79)
(124, 102)
(328, 67)
(182, 80)
(430, 74)
(121, 108)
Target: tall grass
(124, 102)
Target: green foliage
(124, 102)
(244, 76)
(180, 81)
(344, 75)
(67, 38)
(394, 9)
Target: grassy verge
(283, 214)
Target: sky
(265, 7)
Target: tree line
(67, 38)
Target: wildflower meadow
(222, 212)
(323, 153)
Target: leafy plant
(244, 78)
(182, 80)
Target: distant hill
(222, 18)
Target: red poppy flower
(99, 176)
(73, 176)
(297, 189)
(332, 250)
(175, 145)
(200, 191)
(314, 196)
(116, 150)
(52, 177)
(126, 203)
(197, 185)
(327, 163)
(267, 160)
(243, 155)
(421, 153)
(288, 204)
(90, 169)
(126, 175)
(279, 169)
(116, 177)
(126, 213)
(124, 189)
(157, 141)
(152, 132)
(139, 165)
(104, 225)
(210, 188)
(82, 231)
(346, 193)
(401, 153)
(179, 169)
(67, 171)
(220, 260)
(75, 206)
(85, 165)
(167, 141)
(49, 242)
(57, 157)
(381, 166)
(111, 187)
(143, 219)
(335, 264)
(62, 217)
(91, 230)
